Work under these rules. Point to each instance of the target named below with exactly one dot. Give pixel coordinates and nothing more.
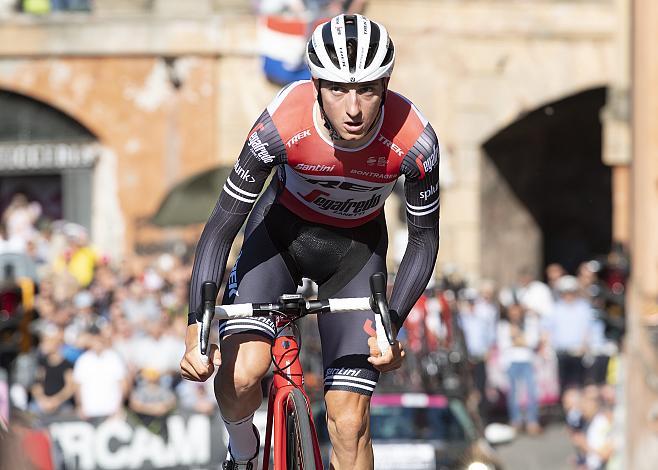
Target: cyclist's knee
(347, 416)
(239, 383)
(244, 363)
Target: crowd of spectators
(91, 338)
(100, 339)
(535, 350)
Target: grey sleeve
(421, 169)
(262, 151)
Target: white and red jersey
(324, 183)
(330, 185)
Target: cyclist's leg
(349, 378)
(259, 274)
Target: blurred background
(537, 339)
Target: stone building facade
(169, 93)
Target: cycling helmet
(350, 49)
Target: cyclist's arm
(421, 188)
(262, 151)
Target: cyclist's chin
(352, 136)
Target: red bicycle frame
(288, 374)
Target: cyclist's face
(352, 107)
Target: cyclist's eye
(337, 89)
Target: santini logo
(305, 167)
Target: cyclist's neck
(350, 144)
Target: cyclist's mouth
(353, 127)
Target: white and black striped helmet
(350, 49)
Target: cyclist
(338, 142)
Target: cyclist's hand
(193, 366)
(390, 360)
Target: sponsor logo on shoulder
(243, 174)
(258, 148)
(391, 145)
(430, 163)
(429, 192)
(305, 167)
(297, 137)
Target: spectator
(100, 377)
(20, 218)
(518, 337)
(81, 258)
(569, 328)
(599, 438)
(197, 397)
(576, 424)
(478, 326)
(554, 271)
(82, 318)
(10, 245)
(151, 400)
(169, 349)
(140, 306)
(53, 389)
(124, 341)
(534, 294)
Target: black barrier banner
(192, 441)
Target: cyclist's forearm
(416, 269)
(261, 152)
(212, 252)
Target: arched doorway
(46, 155)
(547, 196)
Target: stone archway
(546, 194)
(46, 155)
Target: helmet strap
(333, 133)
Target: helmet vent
(390, 50)
(313, 56)
(374, 43)
(328, 40)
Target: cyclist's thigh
(345, 335)
(260, 274)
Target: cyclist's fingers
(215, 355)
(381, 360)
(374, 349)
(197, 367)
(186, 371)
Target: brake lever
(379, 304)
(208, 299)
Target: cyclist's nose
(353, 105)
